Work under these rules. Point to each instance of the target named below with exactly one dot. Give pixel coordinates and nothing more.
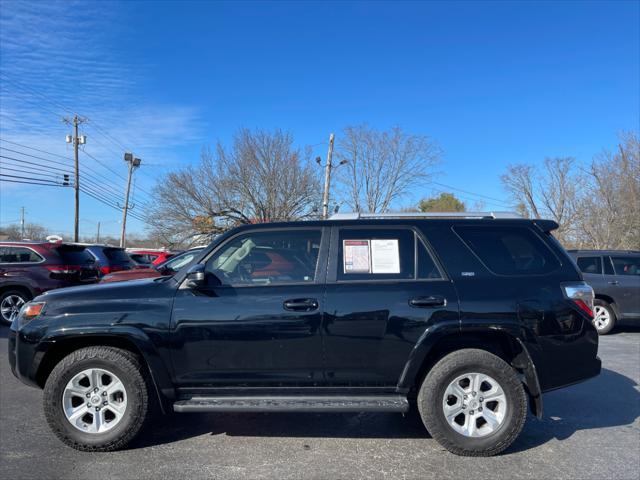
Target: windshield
(179, 261)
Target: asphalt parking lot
(591, 430)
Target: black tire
(443, 373)
(128, 368)
(18, 293)
(612, 317)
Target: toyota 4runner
(468, 317)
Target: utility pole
(77, 141)
(133, 164)
(22, 223)
(327, 180)
(98, 234)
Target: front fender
(57, 341)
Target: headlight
(30, 311)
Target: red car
(147, 258)
(28, 269)
(169, 267)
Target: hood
(131, 289)
(126, 275)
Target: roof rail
(361, 216)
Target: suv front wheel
(96, 399)
(473, 403)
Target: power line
(20, 160)
(49, 182)
(35, 156)
(29, 183)
(33, 148)
(24, 88)
(29, 171)
(471, 193)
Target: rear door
(627, 283)
(384, 289)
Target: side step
(373, 403)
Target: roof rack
(361, 216)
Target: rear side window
(626, 265)
(116, 255)
(509, 250)
(74, 255)
(590, 264)
(383, 254)
(18, 255)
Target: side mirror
(195, 276)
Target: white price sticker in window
(385, 256)
(357, 258)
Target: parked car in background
(146, 257)
(614, 276)
(110, 259)
(28, 269)
(168, 267)
(468, 316)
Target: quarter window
(18, 255)
(267, 258)
(509, 250)
(590, 265)
(626, 265)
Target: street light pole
(133, 164)
(327, 180)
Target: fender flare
(521, 360)
(156, 367)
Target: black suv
(465, 316)
(614, 276)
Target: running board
(372, 403)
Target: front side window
(626, 265)
(18, 255)
(590, 264)
(509, 250)
(268, 258)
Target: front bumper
(24, 357)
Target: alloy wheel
(10, 307)
(94, 400)
(601, 318)
(474, 405)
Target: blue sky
(492, 83)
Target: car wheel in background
(604, 318)
(11, 302)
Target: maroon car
(28, 269)
(169, 267)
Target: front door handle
(427, 302)
(301, 304)
(613, 282)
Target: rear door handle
(426, 302)
(613, 282)
(301, 304)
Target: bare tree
(262, 177)
(383, 166)
(549, 192)
(32, 231)
(611, 207)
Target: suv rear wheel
(604, 318)
(473, 403)
(10, 303)
(96, 399)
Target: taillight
(63, 269)
(581, 294)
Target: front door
(384, 290)
(256, 322)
